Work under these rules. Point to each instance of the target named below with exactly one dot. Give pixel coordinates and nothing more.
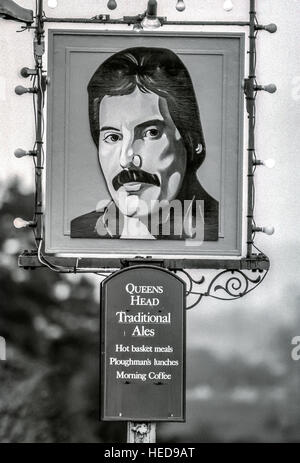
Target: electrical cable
(37, 81)
(254, 151)
(44, 262)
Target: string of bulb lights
(39, 85)
(180, 5)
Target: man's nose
(127, 151)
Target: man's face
(137, 138)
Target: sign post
(141, 433)
(143, 349)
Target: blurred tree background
(49, 384)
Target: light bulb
(271, 28)
(20, 153)
(228, 5)
(269, 163)
(52, 3)
(26, 72)
(20, 90)
(180, 6)
(271, 88)
(269, 230)
(20, 223)
(112, 4)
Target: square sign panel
(144, 144)
(143, 346)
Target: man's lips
(132, 186)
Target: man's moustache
(134, 175)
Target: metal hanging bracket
(12, 11)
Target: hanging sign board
(145, 145)
(143, 346)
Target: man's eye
(112, 138)
(152, 133)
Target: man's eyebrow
(143, 125)
(106, 127)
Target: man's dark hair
(156, 70)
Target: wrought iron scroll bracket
(227, 285)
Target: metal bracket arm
(11, 10)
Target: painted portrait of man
(145, 123)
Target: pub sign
(143, 345)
